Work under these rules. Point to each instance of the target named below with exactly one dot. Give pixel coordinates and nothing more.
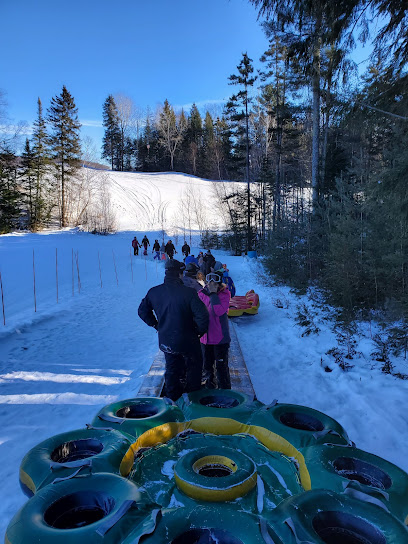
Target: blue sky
(182, 50)
(149, 50)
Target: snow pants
(215, 366)
(183, 373)
(136, 251)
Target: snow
(62, 363)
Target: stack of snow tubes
(217, 467)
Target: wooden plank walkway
(153, 382)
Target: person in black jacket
(190, 277)
(156, 248)
(208, 262)
(180, 318)
(185, 250)
(170, 249)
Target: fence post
(145, 266)
(131, 263)
(56, 269)
(100, 272)
(73, 281)
(114, 263)
(35, 296)
(79, 278)
(2, 300)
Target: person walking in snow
(180, 318)
(170, 249)
(215, 343)
(163, 251)
(145, 243)
(186, 249)
(156, 248)
(135, 245)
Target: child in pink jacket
(215, 343)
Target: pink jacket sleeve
(219, 302)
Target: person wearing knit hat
(180, 318)
(190, 277)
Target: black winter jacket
(179, 315)
(208, 262)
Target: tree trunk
(316, 116)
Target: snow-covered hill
(168, 201)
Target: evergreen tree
(244, 79)
(27, 174)
(40, 162)
(111, 139)
(64, 145)
(194, 138)
(9, 194)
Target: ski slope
(151, 201)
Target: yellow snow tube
(217, 426)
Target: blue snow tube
(359, 474)
(66, 454)
(101, 507)
(218, 403)
(133, 417)
(300, 425)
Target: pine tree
(64, 145)
(9, 194)
(110, 142)
(40, 162)
(244, 79)
(27, 174)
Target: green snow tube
(65, 455)
(202, 467)
(325, 517)
(206, 524)
(300, 425)
(133, 417)
(218, 403)
(101, 507)
(358, 473)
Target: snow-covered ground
(61, 364)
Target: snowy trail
(286, 366)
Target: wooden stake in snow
(77, 264)
(131, 263)
(145, 266)
(56, 270)
(100, 272)
(35, 296)
(73, 281)
(2, 300)
(114, 264)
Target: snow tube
(85, 510)
(215, 474)
(321, 516)
(301, 425)
(216, 468)
(135, 416)
(64, 455)
(355, 471)
(216, 426)
(248, 304)
(218, 524)
(218, 403)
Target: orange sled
(240, 305)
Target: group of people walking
(160, 251)
(190, 313)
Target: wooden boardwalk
(153, 382)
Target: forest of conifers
(323, 146)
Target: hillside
(168, 201)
